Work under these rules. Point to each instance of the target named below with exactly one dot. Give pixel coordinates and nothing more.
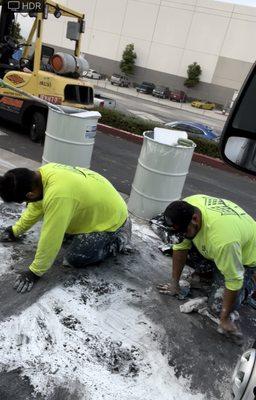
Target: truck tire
(37, 127)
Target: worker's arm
(178, 263)
(57, 215)
(180, 252)
(229, 262)
(32, 214)
(229, 300)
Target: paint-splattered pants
(216, 281)
(244, 295)
(90, 248)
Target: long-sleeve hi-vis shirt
(227, 237)
(75, 200)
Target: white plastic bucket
(69, 136)
(160, 175)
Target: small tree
(127, 63)
(15, 32)
(194, 71)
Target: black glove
(7, 235)
(25, 281)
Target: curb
(197, 157)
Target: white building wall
(168, 34)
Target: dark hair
(15, 184)
(178, 215)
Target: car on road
(194, 129)
(178, 95)
(120, 80)
(92, 74)
(102, 101)
(145, 87)
(162, 92)
(204, 105)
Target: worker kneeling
(222, 232)
(70, 200)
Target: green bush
(137, 125)
(207, 147)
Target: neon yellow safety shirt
(75, 200)
(227, 237)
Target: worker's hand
(172, 288)
(228, 326)
(7, 235)
(230, 330)
(25, 282)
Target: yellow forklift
(54, 78)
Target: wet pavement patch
(100, 331)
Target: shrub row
(137, 125)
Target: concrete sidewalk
(9, 160)
(105, 84)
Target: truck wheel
(37, 127)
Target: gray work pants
(90, 248)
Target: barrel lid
(86, 114)
(166, 137)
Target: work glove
(7, 235)
(25, 281)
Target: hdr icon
(25, 6)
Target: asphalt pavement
(117, 159)
(191, 347)
(151, 108)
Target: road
(150, 109)
(117, 159)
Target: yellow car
(204, 105)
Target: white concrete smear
(144, 232)
(106, 349)
(8, 216)
(6, 260)
(87, 337)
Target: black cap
(178, 215)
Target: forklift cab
(46, 55)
